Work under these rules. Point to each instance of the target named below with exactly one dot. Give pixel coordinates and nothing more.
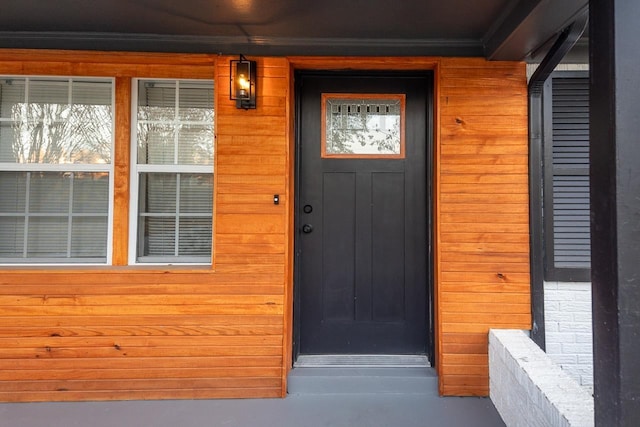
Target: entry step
(350, 380)
(362, 361)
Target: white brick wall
(529, 390)
(567, 318)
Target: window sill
(160, 269)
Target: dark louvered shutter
(570, 246)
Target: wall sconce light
(242, 84)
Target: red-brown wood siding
(127, 332)
(482, 216)
(123, 332)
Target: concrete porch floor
(384, 399)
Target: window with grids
(56, 143)
(173, 172)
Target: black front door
(362, 214)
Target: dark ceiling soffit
(247, 45)
(529, 25)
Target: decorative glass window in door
(363, 125)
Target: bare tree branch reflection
(58, 134)
(361, 128)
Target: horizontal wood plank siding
(225, 330)
(76, 335)
(252, 166)
(123, 332)
(482, 216)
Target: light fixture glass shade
(242, 83)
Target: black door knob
(307, 228)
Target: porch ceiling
(497, 29)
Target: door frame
(429, 75)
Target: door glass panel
(363, 125)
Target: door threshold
(362, 361)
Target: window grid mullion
(177, 219)
(70, 214)
(163, 122)
(54, 167)
(166, 168)
(176, 125)
(56, 215)
(26, 217)
(70, 105)
(171, 215)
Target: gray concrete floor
(303, 410)
(366, 410)
(336, 397)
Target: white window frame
(137, 169)
(69, 167)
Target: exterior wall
(483, 228)
(130, 332)
(134, 332)
(569, 340)
(531, 68)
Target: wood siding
(128, 332)
(482, 258)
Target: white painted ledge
(528, 389)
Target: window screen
(56, 143)
(174, 171)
